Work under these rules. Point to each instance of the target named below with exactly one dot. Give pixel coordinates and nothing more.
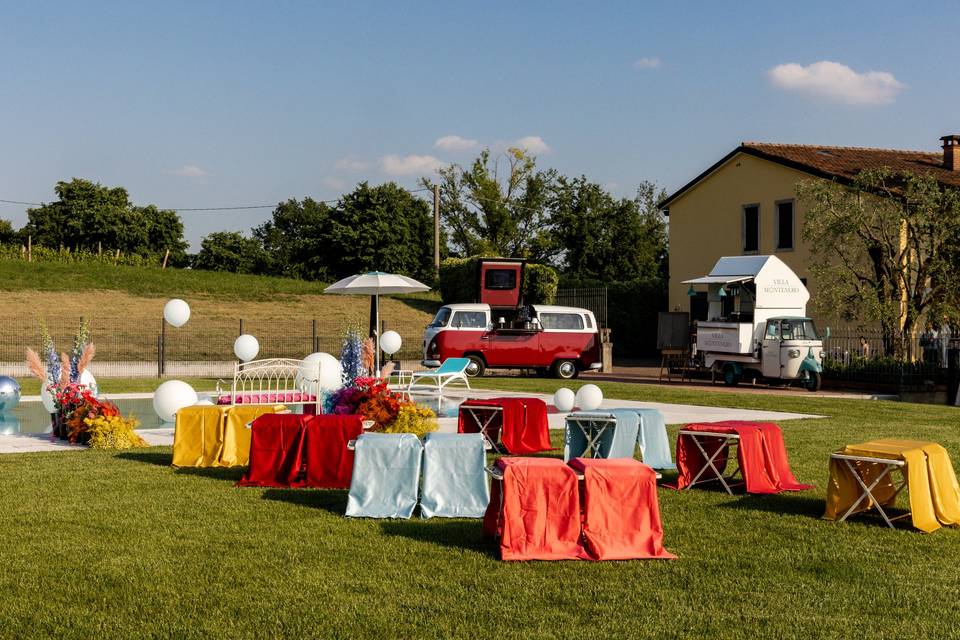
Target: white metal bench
(272, 381)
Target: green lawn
(107, 545)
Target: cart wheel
(565, 369)
(812, 382)
(476, 367)
(730, 377)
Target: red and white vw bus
(561, 340)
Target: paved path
(672, 413)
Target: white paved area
(672, 413)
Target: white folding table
(729, 441)
(482, 416)
(593, 427)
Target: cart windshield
(799, 329)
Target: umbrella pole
(376, 357)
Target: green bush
(540, 284)
(39, 253)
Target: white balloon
(246, 347)
(319, 372)
(176, 312)
(170, 397)
(564, 400)
(390, 342)
(589, 397)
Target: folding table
(386, 476)
(454, 484)
(720, 443)
(518, 424)
(887, 467)
(601, 434)
(489, 420)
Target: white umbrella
(374, 284)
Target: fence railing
(592, 298)
(129, 349)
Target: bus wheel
(812, 382)
(565, 369)
(476, 367)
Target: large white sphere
(319, 372)
(9, 393)
(176, 312)
(170, 397)
(47, 398)
(87, 379)
(390, 342)
(246, 347)
(564, 400)
(589, 397)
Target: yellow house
(745, 204)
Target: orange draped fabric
(621, 514)
(761, 453)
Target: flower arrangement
(370, 398)
(113, 432)
(351, 357)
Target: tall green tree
(8, 234)
(498, 206)
(382, 228)
(88, 215)
(605, 238)
(293, 238)
(886, 248)
(230, 251)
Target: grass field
(121, 544)
(125, 307)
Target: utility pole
(436, 229)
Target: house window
(785, 225)
(751, 228)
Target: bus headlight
(794, 353)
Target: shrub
(413, 418)
(540, 284)
(113, 432)
(459, 279)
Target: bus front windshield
(440, 320)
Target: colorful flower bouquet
(390, 413)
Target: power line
(230, 208)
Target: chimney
(951, 152)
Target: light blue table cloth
(386, 476)
(454, 483)
(617, 441)
(654, 443)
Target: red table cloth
(761, 453)
(296, 450)
(522, 425)
(535, 510)
(621, 514)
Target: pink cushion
(267, 398)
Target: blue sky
(203, 104)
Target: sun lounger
(452, 370)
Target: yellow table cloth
(931, 482)
(215, 436)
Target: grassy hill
(125, 305)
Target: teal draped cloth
(617, 441)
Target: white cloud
(456, 143)
(350, 164)
(533, 144)
(837, 82)
(406, 165)
(190, 171)
(333, 182)
(647, 63)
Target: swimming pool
(31, 417)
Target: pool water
(31, 417)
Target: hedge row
(40, 253)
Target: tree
(292, 237)
(230, 251)
(88, 215)
(7, 233)
(483, 214)
(885, 248)
(608, 239)
(382, 228)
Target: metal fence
(856, 355)
(126, 348)
(592, 298)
